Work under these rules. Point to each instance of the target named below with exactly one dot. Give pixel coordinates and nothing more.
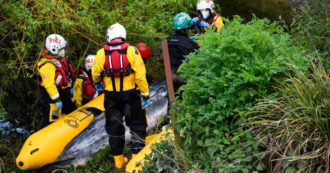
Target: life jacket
(64, 73)
(215, 18)
(116, 62)
(87, 85)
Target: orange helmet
(144, 50)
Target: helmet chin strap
(61, 52)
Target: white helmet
(89, 62)
(55, 44)
(205, 6)
(116, 31)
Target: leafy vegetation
(294, 124)
(164, 158)
(231, 70)
(155, 68)
(25, 24)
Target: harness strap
(113, 82)
(66, 65)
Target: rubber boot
(120, 161)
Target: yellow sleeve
(139, 68)
(218, 23)
(47, 73)
(98, 65)
(77, 91)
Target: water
(6, 128)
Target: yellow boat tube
(46, 145)
(135, 165)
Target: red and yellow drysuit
(124, 76)
(56, 76)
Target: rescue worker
(56, 75)
(207, 17)
(84, 89)
(123, 72)
(180, 45)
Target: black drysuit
(179, 45)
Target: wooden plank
(168, 72)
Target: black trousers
(45, 100)
(120, 107)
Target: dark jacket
(179, 45)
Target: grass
(294, 124)
(9, 149)
(102, 162)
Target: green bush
(230, 71)
(25, 24)
(293, 125)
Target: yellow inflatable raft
(46, 145)
(136, 163)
